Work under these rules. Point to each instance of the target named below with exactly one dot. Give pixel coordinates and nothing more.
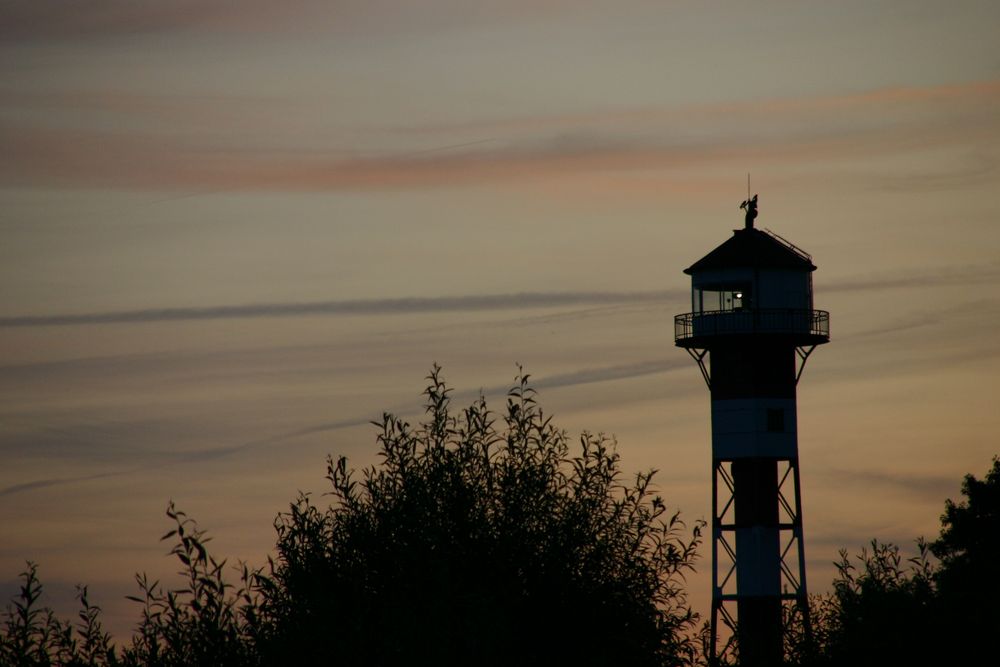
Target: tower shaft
(751, 329)
(753, 440)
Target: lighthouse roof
(754, 249)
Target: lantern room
(754, 283)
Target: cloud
(965, 274)
(521, 300)
(937, 486)
(609, 373)
(776, 110)
(56, 481)
(268, 152)
(977, 169)
(161, 459)
(25, 20)
(166, 458)
(971, 274)
(930, 317)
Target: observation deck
(799, 326)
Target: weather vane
(750, 204)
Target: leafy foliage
(473, 544)
(967, 580)
(32, 635)
(481, 539)
(881, 609)
(884, 612)
(202, 623)
(478, 539)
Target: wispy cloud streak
(988, 308)
(487, 302)
(55, 481)
(609, 373)
(923, 485)
(933, 277)
(579, 377)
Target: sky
(233, 233)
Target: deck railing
(752, 321)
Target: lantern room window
(716, 298)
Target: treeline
(941, 607)
(490, 539)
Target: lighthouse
(751, 328)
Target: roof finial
(751, 208)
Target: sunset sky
(232, 232)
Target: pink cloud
(890, 97)
(204, 154)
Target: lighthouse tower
(751, 329)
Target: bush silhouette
(477, 539)
(881, 610)
(887, 611)
(475, 542)
(968, 579)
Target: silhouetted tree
(33, 636)
(968, 578)
(207, 622)
(477, 540)
(882, 611)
